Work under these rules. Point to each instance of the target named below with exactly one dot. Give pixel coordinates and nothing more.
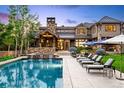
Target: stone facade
(64, 37)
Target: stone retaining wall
(6, 53)
(42, 50)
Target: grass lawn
(6, 58)
(117, 58)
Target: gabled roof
(67, 35)
(79, 25)
(43, 28)
(107, 19)
(47, 31)
(88, 25)
(65, 28)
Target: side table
(108, 72)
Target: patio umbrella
(99, 42)
(117, 40)
(90, 43)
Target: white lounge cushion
(86, 59)
(81, 57)
(86, 62)
(95, 66)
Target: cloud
(70, 21)
(3, 15)
(4, 18)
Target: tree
(2, 35)
(8, 40)
(32, 26)
(13, 21)
(7, 37)
(23, 14)
(23, 25)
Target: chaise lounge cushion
(108, 64)
(78, 58)
(87, 62)
(95, 66)
(91, 62)
(87, 59)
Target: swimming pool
(32, 73)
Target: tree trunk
(28, 44)
(16, 47)
(25, 46)
(8, 49)
(21, 47)
(28, 47)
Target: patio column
(54, 42)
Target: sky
(71, 15)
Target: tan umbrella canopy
(117, 40)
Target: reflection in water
(32, 73)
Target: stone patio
(75, 76)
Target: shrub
(100, 51)
(73, 49)
(79, 49)
(6, 58)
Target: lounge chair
(93, 58)
(95, 62)
(108, 64)
(88, 57)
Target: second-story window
(110, 28)
(80, 31)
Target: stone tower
(51, 24)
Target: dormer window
(110, 28)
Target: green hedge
(6, 58)
(84, 49)
(117, 58)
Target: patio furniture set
(93, 62)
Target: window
(110, 28)
(80, 31)
(79, 42)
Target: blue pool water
(31, 73)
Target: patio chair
(93, 58)
(88, 57)
(95, 62)
(107, 64)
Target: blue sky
(73, 14)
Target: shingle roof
(81, 24)
(67, 35)
(43, 28)
(107, 19)
(65, 28)
(88, 25)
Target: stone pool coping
(12, 60)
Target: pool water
(32, 73)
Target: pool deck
(12, 60)
(75, 76)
